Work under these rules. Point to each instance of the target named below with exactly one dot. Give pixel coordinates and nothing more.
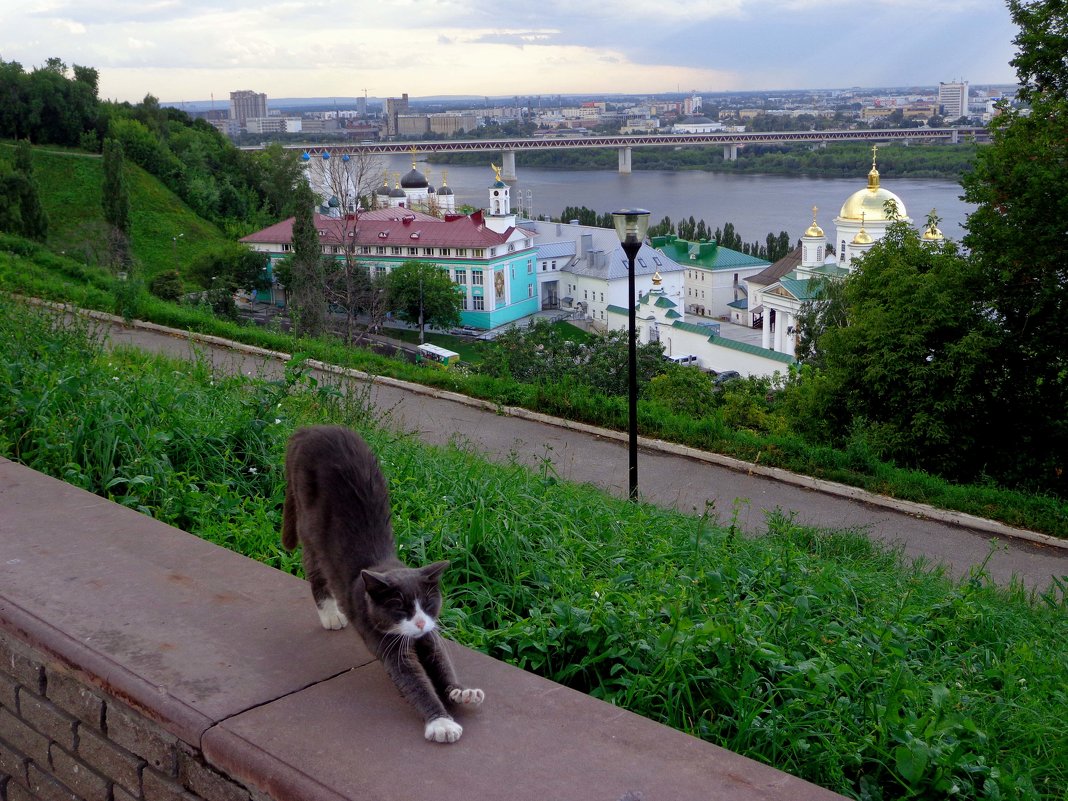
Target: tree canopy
(421, 293)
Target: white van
(682, 358)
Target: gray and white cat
(337, 507)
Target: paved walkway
(600, 457)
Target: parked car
(727, 375)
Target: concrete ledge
(139, 662)
(914, 508)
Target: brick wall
(62, 739)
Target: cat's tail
(289, 520)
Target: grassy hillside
(70, 184)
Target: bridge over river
(729, 141)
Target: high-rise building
(395, 106)
(953, 98)
(246, 103)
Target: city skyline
(308, 48)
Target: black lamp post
(631, 225)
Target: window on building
(530, 290)
(461, 276)
(554, 264)
(413, 251)
(513, 272)
(461, 252)
(476, 277)
(445, 251)
(479, 253)
(585, 294)
(396, 251)
(428, 251)
(381, 251)
(478, 303)
(530, 266)
(286, 248)
(463, 301)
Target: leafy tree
(167, 285)
(277, 173)
(34, 217)
(422, 294)
(683, 390)
(234, 268)
(1016, 237)
(307, 268)
(116, 201)
(913, 364)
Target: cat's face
(405, 601)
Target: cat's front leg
(415, 684)
(466, 696)
(438, 667)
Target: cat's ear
(432, 573)
(376, 584)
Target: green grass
(70, 184)
(817, 652)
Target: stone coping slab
(185, 631)
(531, 740)
(228, 655)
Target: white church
(778, 293)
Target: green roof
(672, 314)
(617, 309)
(664, 303)
(706, 255)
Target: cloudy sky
(185, 50)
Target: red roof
(396, 227)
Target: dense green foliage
(816, 652)
(422, 294)
(545, 354)
(1017, 242)
(21, 211)
(836, 160)
(909, 369)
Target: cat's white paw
(331, 616)
(443, 730)
(467, 697)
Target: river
(756, 204)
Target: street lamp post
(631, 225)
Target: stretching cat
(337, 507)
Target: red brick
(75, 698)
(157, 787)
(207, 782)
(47, 718)
(46, 788)
(20, 663)
(12, 763)
(141, 736)
(82, 779)
(116, 763)
(21, 737)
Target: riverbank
(833, 161)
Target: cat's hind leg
(330, 615)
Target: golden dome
(862, 237)
(932, 234)
(869, 203)
(657, 278)
(814, 230)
